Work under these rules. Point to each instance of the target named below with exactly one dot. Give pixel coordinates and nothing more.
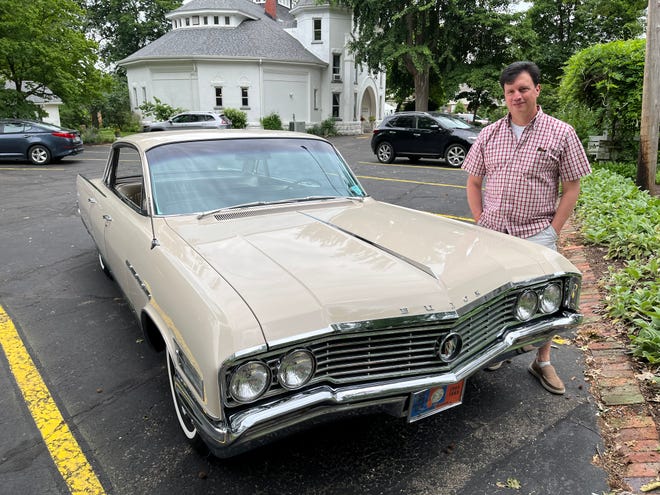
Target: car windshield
(452, 122)
(204, 176)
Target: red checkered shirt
(522, 177)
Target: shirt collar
(532, 123)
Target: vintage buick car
(283, 295)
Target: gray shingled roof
(263, 38)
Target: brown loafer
(548, 377)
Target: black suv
(417, 135)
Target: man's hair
(511, 72)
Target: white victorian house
(260, 56)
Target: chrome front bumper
(262, 424)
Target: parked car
(38, 142)
(191, 120)
(283, 295)
(417, 135)
(472, 119)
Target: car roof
(148, 140)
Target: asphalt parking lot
(111, 392)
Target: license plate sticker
(434, 400)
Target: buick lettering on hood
(282, 295)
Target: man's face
(520, 97)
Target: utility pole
(648, 134)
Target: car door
(400, 134)
(430, 136)
(128, 230)
(13, 141)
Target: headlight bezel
(547, 305)
(265, 385)
(283, 366)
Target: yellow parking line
(418, 167)
(39, 169)
(465, 219)
(63, 447)
(389, 179)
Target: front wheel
(455, 155)
(385, 152)
(186, 423)
(39, 155)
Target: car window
(407, 121)
(199, 176)
(453, 122)
(13, 127)
(181, 119)
(127, 180)
(207, 118)
(424, 122)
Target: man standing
(523, 159)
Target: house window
(227, 20)
(216, 19)
(135, 98)
(218, 96)
(206, 20)
(187, 21)
(144, 94)
(316, 99)
(335, 105)
(336, 67)
(317, 30)
(355, 106)
(195, 20)
(245, 101)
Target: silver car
(191, 120)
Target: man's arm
(569, 196)
(474, 198)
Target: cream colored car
(283, 295)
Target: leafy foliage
(326, 128)
(159, 110)
(608, 80)
(272, 121)
(125, 26)
(43, 45)
(615, 213)
(238, 117)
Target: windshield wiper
(275, 202)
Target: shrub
(272, 121)
(93, 135)
(615, 213)
(238, 118)
(325, 128)
(159, 110)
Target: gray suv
(191, 120)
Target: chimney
(271, 9)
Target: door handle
(107, 218)
(91, 200)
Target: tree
(425, 42)
(43, 45)
(563, 27)
(608, 79)
(125, 26)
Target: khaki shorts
(547, 237)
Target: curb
(624, 415)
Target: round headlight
(551, 298)
(526, 305)
(296, 369)
(249, 381)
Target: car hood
(465, 133)
(302, 269)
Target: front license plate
(436, 399)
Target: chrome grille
(352, 357)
